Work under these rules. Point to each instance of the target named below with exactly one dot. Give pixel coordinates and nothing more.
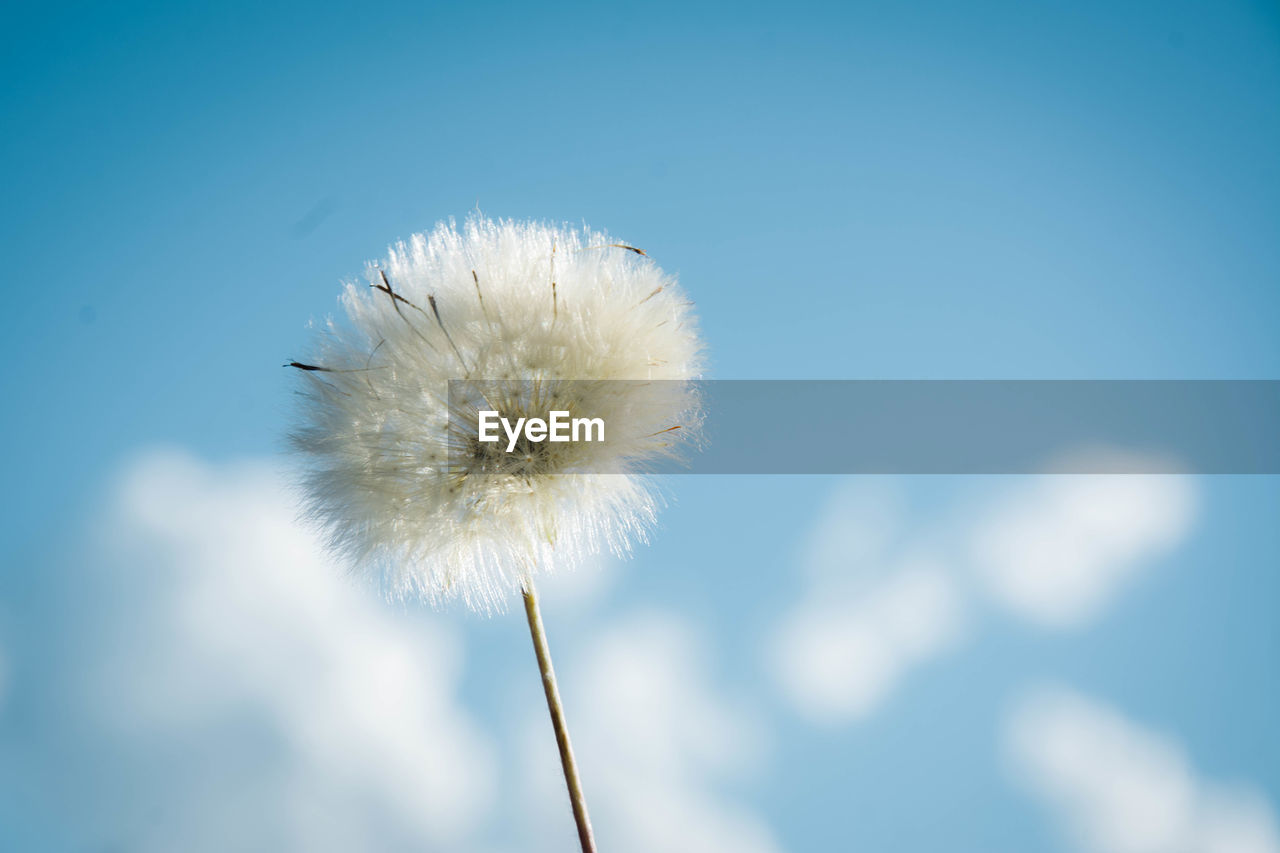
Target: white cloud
(226, 688)
(1119, 788)
(868, 612)
(1058, 548)
(840, 653)
(571, 593)
(855, 529)
(881, 597)
(655, 743)
(228, 626)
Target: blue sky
(932, 190)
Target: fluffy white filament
(540, 314)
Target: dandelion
(534, 316)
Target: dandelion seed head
(538, 317)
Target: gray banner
(918, 426)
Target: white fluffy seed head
(539, 315)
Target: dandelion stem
(571, 779)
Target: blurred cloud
(1119, 788)
(226, 687)
(1057, 549)
(855, 529)
(882, 598)
(239, 693)
(656, 744)
(570, 594)
(841, 652)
